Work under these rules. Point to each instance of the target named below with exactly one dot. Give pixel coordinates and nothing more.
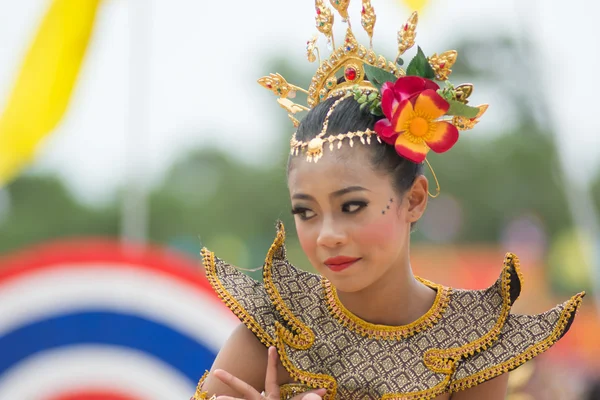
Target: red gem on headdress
(363, 10)
(406, 27)
(350, 74)
(442, 65)
(318, 11)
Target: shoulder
(494, 389)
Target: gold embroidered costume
(466, 338)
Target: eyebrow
(337, 193)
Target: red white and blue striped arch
(95, 320)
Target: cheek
(307, 239)
(381, 233)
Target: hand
(271, 384)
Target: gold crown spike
(278, 85)
(324, 20)
(290, 106)
(463, 92)
(311, 48)
(350, 43)
(407, 34)
(441, 64)
(464, 123)
(342, 7)
(368, 19)
(348, 61)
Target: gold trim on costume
(289, 390)
(426, 394)
(199, 395)
(444, 360)
(538, 348)
(315, 381)
(301, 336)
(364, 328)
(208, 259)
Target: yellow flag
(41, 92)
(415, 5)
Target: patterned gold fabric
(466, 338)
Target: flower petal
(429, 84)
(431, 104)
(415, 152)
(443, 137)
(384, 129)
(407, 86)
(403, 113)
(389, 104)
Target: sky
(163, 76)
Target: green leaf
(460, 109)
(378, 76)
(373, 96)
(420, 66)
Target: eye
(303, 213)
(352, 207)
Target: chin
(347, 281)
(349, 285)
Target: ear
(417, 198)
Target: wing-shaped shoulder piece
(270, 307)
(246, 297)
(519, 339)
(293, 292)
(474, 319)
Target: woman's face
(351, 223)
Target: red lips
(340, 263)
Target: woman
(365, 326)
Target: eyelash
(301, 211)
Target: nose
(331, 234)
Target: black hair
(348, 117)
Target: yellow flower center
(419, 126)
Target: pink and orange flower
(412, 108)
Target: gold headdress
(345, 74)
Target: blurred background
(132, 133)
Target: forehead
(335, 170)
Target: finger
(271, 383)
(227, 398)
(237, 384)
(311, 396)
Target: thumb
(315, 394)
